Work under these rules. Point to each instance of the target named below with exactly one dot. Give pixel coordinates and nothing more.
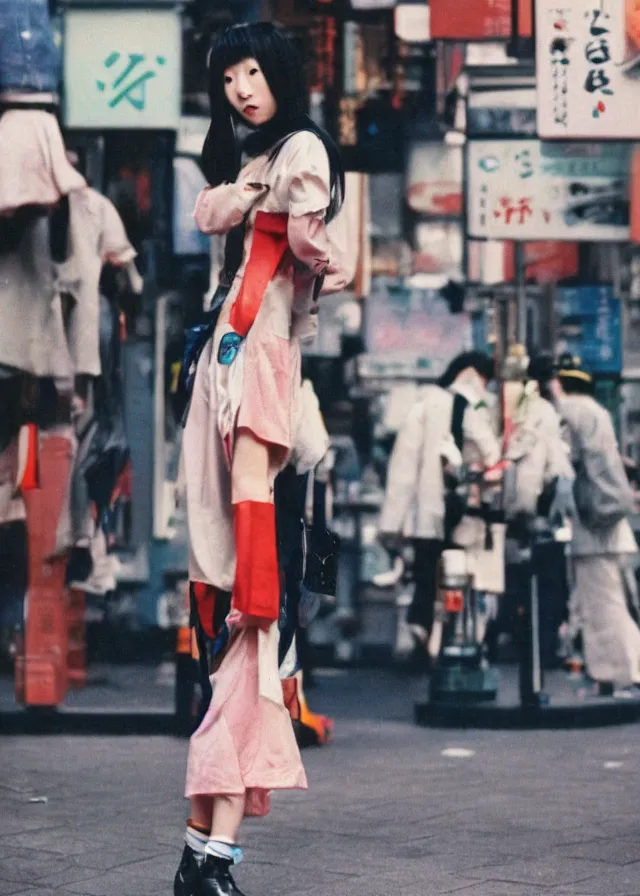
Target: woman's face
(247, 90)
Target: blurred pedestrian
(448, 426)
(538, 488)
(603, 541)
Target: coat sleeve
(220, 209)
(403, 472)
(309, 188)
(558, 457)
(477, 428)
(114, 242)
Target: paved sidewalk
(527, 813)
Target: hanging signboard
(588, 325)
(471, 20)
(528, 190)
(588, 62)
(122, 68)
(434, 179)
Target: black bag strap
(457, 417)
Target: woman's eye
(228, 79)
(253, 71)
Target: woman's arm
(309, 197)
(220, 209)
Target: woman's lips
(250, 110)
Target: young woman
(244, 411)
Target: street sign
(529, 190)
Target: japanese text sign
(588, 62)
(529, 190)
(589, 325)
(122, 68)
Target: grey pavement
(388, 811)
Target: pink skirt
(245, 743)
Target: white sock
(196, 841)
(223, 848)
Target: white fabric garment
(269, 685)
(611, 637)
(311, 439)
(32, 335)
(538, 452)
(414, 497)
(35, 169)
(581, 414)
(96, 236)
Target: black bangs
(231, 47)
(276, 55)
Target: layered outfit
(599, 603)
(248, 379)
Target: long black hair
(282, 67)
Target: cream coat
(538, 452)
(414, 499)
(584, 417)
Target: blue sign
(589, 326)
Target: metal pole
(521, 295)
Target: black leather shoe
(216, 878)
(187, 879)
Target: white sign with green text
(122, 69)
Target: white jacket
(538, 452)
(414, 498)
(587, 421)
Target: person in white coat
(603, 541)
(538, 485)
(414, 503)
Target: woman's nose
(243, 88)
